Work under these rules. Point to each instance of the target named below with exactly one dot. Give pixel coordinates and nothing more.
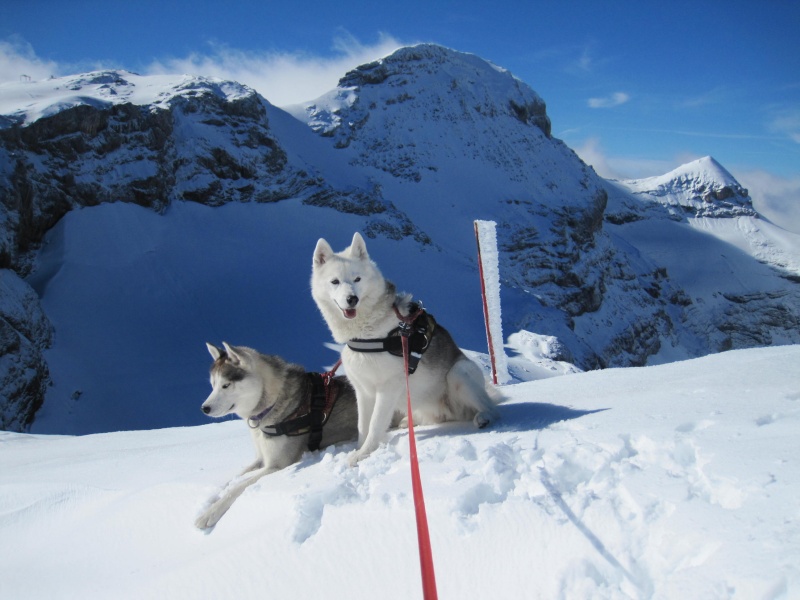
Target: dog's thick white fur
(249, 384)
(358, 303)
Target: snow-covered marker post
(489, 267)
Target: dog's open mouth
(349, 313)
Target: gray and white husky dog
(359, 306)
(273, 397)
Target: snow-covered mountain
(410, 150)
(702, 188)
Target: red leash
(423, 538)
(326, 380)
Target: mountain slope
(737, 273)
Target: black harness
(312, 414)
(422, 329)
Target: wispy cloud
(786, 122)
(18, 60)
(592, 153)
(589, 60)
(579, 60)
(282, 78)
(595, 156)
(709, 98)
(585, 62)
(775, 197)
(615, 99)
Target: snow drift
(676, 481)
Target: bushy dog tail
(494, 393)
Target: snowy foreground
(675, 481)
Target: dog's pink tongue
(350, 313)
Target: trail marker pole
(486, 238)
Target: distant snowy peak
(27, 101)
(702, 187)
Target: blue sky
(636, 88)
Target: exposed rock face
(202, 147)
(24, 334)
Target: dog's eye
(357, 279)
(335, 282)
(225, 386)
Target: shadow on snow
(519, 416)
(525, 416)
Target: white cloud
(592, 153)
(585, 62)
(775, 197)
(615, 99)
(787, 122)
(282, 78)
(714, 96)
(19, 61)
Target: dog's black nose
(206, 409)
(352, 301)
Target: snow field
(677, 481)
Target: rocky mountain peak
(477, 83)
(702, 187)
(425, 100)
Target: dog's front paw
(482, 419)
(206, 521)
(210, 517)
(356, 456)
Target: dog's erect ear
(214, 351)
(358, 248)
(233, 356)
(322, 253)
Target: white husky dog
(361, 309)
(285, 408)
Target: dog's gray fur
(246, 382)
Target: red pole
(485, 306)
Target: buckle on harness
(406, 324)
